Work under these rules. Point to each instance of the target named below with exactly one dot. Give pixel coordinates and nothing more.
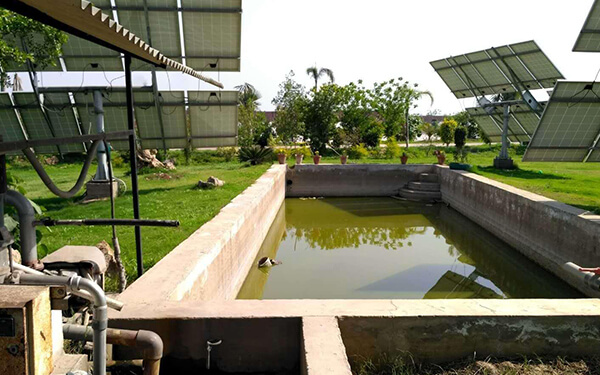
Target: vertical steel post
(133, 165)
(504, 150)
(3, 184)
(102, 171)
(407, 128)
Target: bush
(460, 136)
(227, 153)
(358, 152)
(256, 155)
(446, 131)
(392, 149)
(303, 151)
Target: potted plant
(441, 157)
(281, 156)
(299, 156)
(316, 158)
(343, 158)
(404, 158)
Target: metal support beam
(503, 161)
(102, 169)
(133, 164)
(21, 145)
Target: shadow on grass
(520, 173)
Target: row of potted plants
(282, 156)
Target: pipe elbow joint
(151, 343)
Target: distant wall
(550, 233)
(214, 261)
(351, 180)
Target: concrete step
(424, 186)
(428, 177)
(417, 195)
(70, 362)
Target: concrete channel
(189, 296)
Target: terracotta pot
(441, 159)
(404, 159)
(343, 159)
(281, 158)
(317, 159)
(299, 158)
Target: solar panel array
(497, 70)
(521, 125)
(589, 37)
(211, 34)
(569, 129)
(212, 118)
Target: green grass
(175, 199)
(572, 183)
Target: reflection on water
(360, 248)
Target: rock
(147, 158)
(109, 256)
(211, 183)
(52, 160)
(169, 164)
(16, 256)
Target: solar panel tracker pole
(102, 170)
(133, 165)
(504, 151)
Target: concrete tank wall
(351, 180)
(550, 233)
(214, 261)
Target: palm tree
(316, 74)
(249, 95)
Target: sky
(378, 40)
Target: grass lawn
(577, 184)
(175, 199)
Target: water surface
(381, 248)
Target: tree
(392, 100)
(25, 40)
(316, 74)
(446, 131)
(253, 128)
(429, 130)
(289, 102)
(358, 123)
(464, 119)
(320, 117)
(248, 95)
(460, 138)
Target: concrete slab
(324, 351)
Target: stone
(109, 256)
(169, 164)
(211, 183)
(16, 256)
(52, 160)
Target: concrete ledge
(214, 261)
(324, 351)
(550, 233)
(351, 180)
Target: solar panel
(570, 125)
(33, 119)
(11, 128)
(589, 37)
(173, 120)
(498, 70)
(79, 55)
(492, 126)
(60, 111)
(115, 115)
(213, 118)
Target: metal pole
(407, 128)
(504, 150)
(133, 165)
(102, 171)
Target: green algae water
(383, 248)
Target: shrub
(460, 136)
(358, 152)
(446, 131)
(392, 149)
(256, 155)
(227, 153)
(302, 151)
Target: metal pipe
(26, 228)
(100, 320)
(48, 182)
(47, 222)
(589, 279)
(133, 164)
(504, 150)
(111, 302)
(148, 342)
